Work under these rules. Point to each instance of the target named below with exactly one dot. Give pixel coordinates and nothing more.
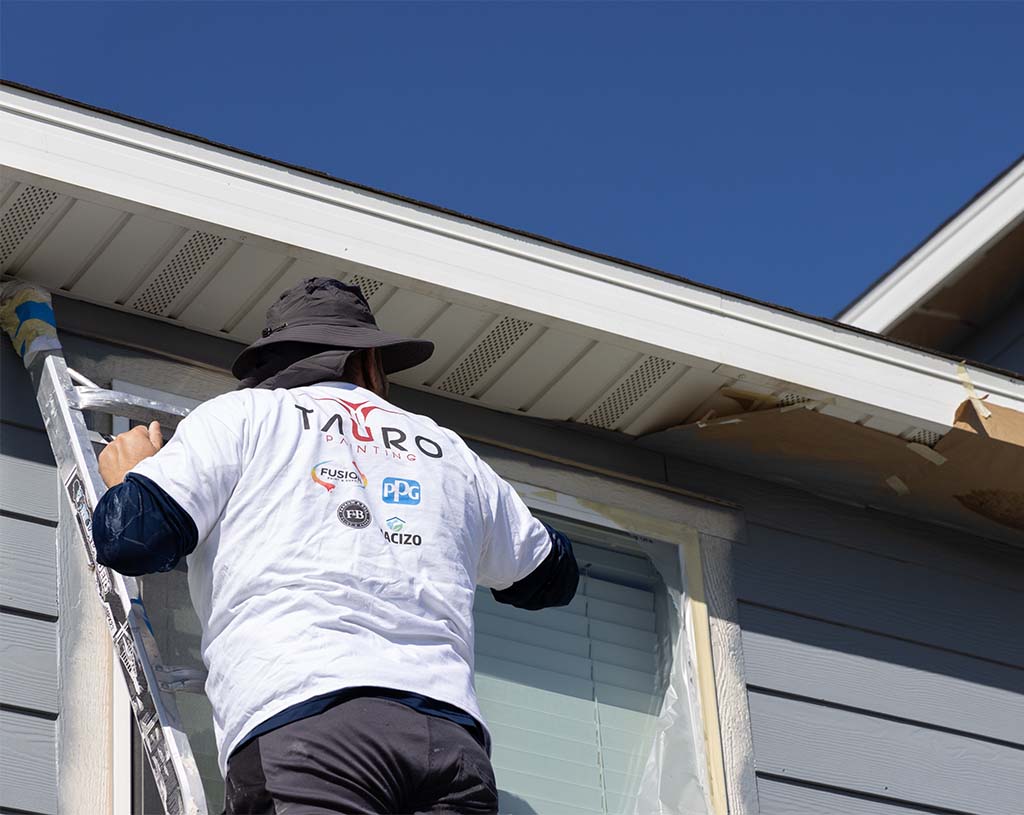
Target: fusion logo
(354, 514)
(328, 474)
(400, 491)
(397, 536)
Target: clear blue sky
(790, 152)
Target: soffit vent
(367, 285)
(630, 391)
(178, 272)
(929, 438)
(506, 333)
(789, 399)
(29, 207)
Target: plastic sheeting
(674, 777)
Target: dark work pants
(365, 755)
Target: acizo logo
(328, 474)
(400, 491)
(396, 535)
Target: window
(572, 695)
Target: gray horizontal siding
(845, 749)
(890, 537)
(28, 595)
(29, 484)
(878, 685)
(806, 575)
(28, 778)
(28, 565)
(858, 669)
(781, 797)
(28, 663)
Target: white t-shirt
(340, 542)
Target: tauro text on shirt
(392, 440)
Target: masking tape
(897, 485)
(925, 451)
(979, 406)
(27, 316)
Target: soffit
(299, 217)
(161, 265)
(969, 300)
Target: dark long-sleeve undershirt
(552, 583)
(139, 529)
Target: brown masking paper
(976, 480)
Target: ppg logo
(400, 491)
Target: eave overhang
(129, 216)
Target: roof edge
(887, 276)
(682, 282)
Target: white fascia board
(937, 262)
(436, 251)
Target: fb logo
(400, 491)
(354, 514)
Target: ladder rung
(180, 680)
(117, 403)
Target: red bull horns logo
(393, 441)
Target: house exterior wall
(872, 676)
(884, 669)
(1001, 341)
(28, 598)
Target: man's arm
(162, 500)
(552, 583)
(137, 527)
(524, 562)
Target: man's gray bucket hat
(327, 312)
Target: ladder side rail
(164, 739)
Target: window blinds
(571, 694)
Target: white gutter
(939, 260)
(430, 251)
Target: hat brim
(397, 353)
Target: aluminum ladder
(63, 394)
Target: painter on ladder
(334, 542)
